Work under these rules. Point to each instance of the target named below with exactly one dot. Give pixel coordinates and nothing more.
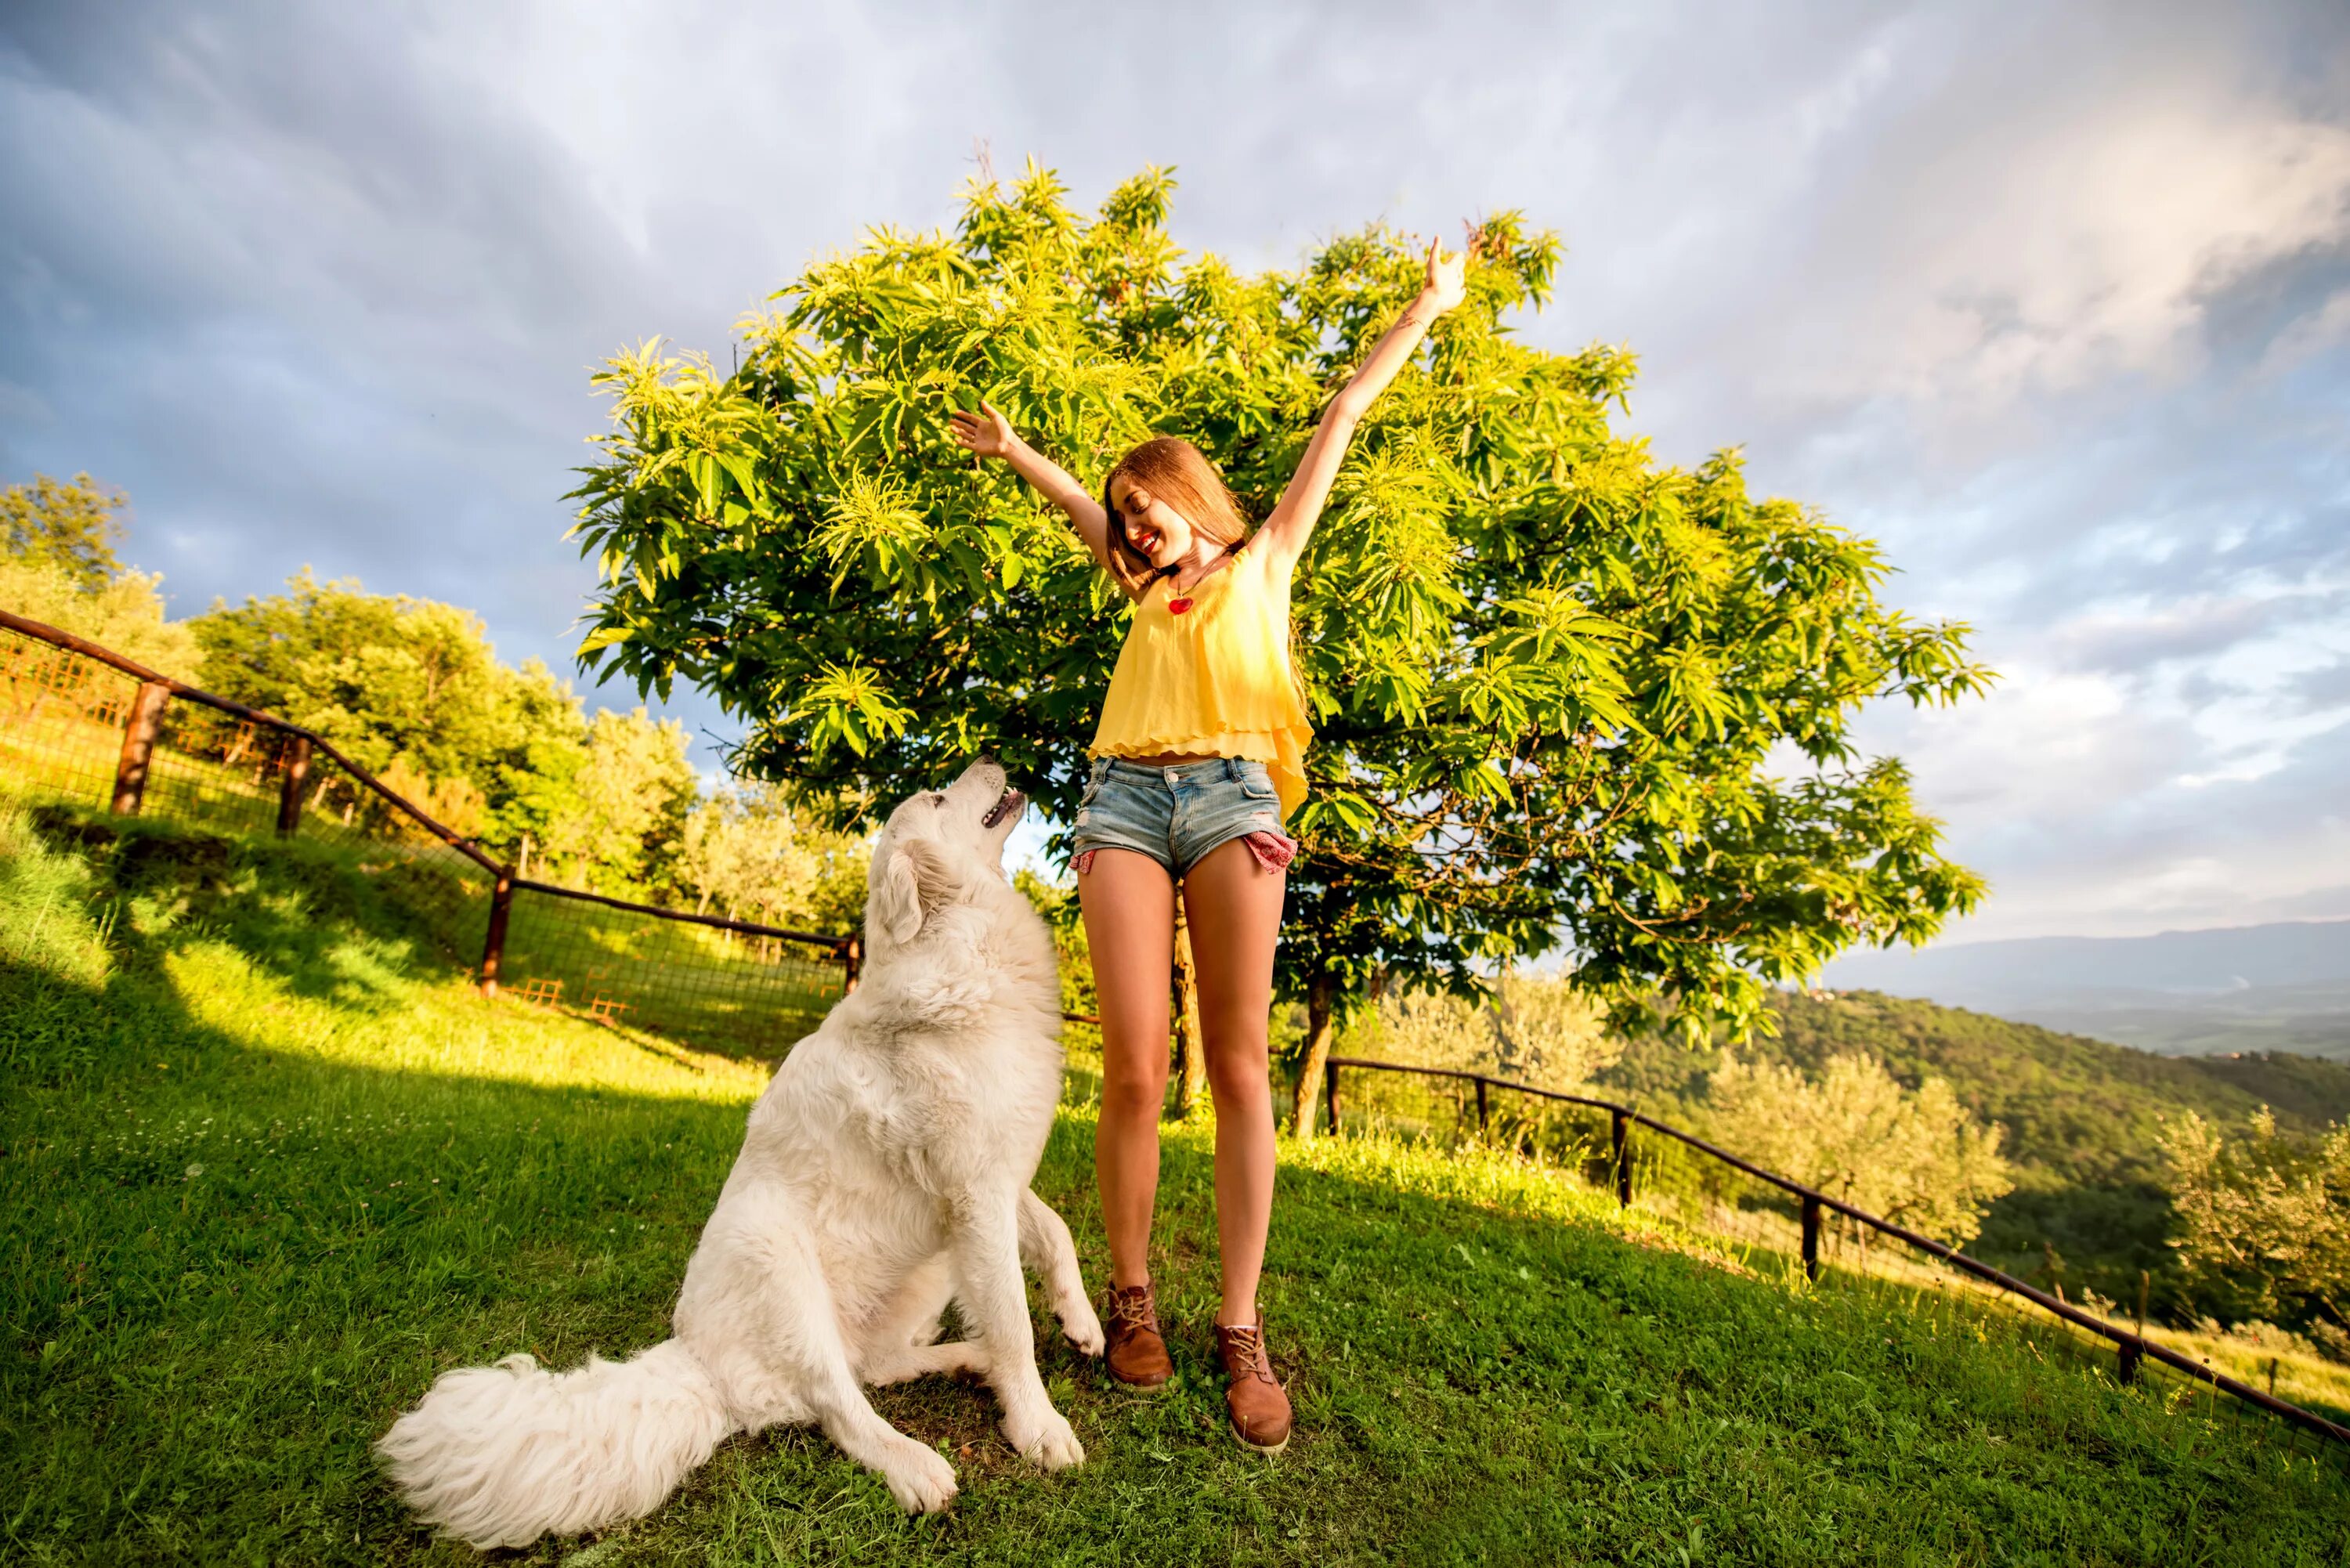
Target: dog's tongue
(1013, 801)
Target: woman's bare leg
(1128, 902)
(1233, 907)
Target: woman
(1198, 762)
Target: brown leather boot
(1136, 1353)
(1258, 1407)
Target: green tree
(622, 829)
(72, 527)
(1546, 671)
(124, 613)
(1538, 1030)
(1915, 1157)
(58, 567)
(412, 682)
(2263, 1218)
(748, 853)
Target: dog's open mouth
(1012, 802)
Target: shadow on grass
(227, 1274)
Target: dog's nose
(987, 759)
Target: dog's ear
(915, 883)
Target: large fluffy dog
(886, 1171)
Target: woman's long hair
(1175, 471)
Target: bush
(1916, 1158)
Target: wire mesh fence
(1755, 1221)
(84, 731)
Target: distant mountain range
(2283, 987)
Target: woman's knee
(1234, 1073)
(1132, 1091)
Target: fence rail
(70, 730)
(2133, 1350)
(80, 724)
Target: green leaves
(1546, 672)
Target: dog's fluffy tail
(498, 1456)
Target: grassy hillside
(266, 1165)
(2082, 1116)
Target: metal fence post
(1812, 1239)
(291, 782)
(1330, 1093)
(138, 747)
(494, 946)
(1619, 1139)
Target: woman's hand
(1292, 523)
(1447, 278)
(983, 433)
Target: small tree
(72, 527)
(623, 827)
(1547, 673)
(1916, 1158)
(124, 613)
(396, 680)
(748, 853)
(1537, 1030)
(58, 567)
(2264, 1218)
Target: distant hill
(2281, 987)
(2081, 1114)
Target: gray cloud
(2053, 300)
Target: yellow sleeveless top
(1213, 679)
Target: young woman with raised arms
(1198, 762)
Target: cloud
(2054, 305)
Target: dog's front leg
(1047, 1249)
(995, 1300)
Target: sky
(2052, 299)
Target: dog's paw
(921, 1480)
(1052, 1444)
(1082, 1326)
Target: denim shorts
(1177, 814)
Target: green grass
(718, 989)
(267, 1164)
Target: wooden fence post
(1330, 1093)
(494, 946)
(1619, 1138)
(852, 964)
(291, 783)
(138, 747)
(1484, 1115)
(1812, 1239)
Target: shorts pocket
(1257, 784)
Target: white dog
(886, 1171)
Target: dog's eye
(937, 798)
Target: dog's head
(938, 850)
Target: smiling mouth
(1012, 802)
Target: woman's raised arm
(1284, 532)
(987, 433)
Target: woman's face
(1162, 533)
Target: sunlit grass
(267, 1164)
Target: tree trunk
(1190, 1053)
(1321, 997)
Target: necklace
(1179, 603)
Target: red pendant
(1177, 606)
